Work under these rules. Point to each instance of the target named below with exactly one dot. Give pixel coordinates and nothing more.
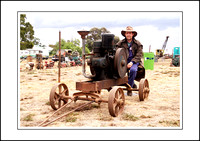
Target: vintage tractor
(108, 67)
(39, 62)
(49, 65)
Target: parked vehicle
(45, 57)
(176, 57)
(56, 58)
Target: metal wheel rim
(55, 98)
(143, 89)
(116, 101)
(119, 56)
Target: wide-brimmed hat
(129, 29)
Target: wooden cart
(91, 91)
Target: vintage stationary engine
(107, 61)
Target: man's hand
(129, 65)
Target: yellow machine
(160, 52)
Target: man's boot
(129, 93)
(134, 86)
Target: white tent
(37, 49)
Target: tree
(76, 42)
(26, 33)
(74, 45)
(36, 41)
(94, 35)
(116, 39)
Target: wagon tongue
(45, 123)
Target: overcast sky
(152, 27)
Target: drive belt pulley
(120, 62)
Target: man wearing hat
(133, 51)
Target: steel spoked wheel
(56, 95)
(143, 89)
(116, 101)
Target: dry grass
(29, 117)
(71, 117)
(130, 117)
(143, 116)
(161, 109)
(170, 123)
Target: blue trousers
(132, 74)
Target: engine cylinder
(108, 41)
(97, 46)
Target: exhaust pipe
(83, 33)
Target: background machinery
(176, 57)
(160, 52)
(39, 62)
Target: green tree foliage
(36, 41)
(116, 39)
(74, 45)
(26, 33)
(95, 34)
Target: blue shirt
(130, 53)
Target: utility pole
(59, 57)
(149, 48)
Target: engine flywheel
(120, 62)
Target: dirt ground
(161, 109)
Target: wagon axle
(59, 94)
